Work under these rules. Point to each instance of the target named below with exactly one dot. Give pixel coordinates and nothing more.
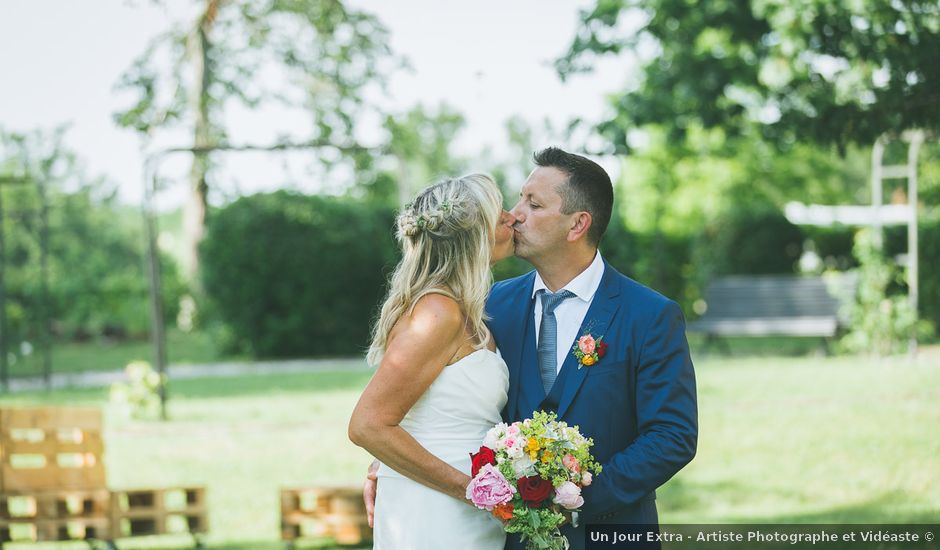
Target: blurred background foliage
(738, 107)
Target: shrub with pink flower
(545, 463)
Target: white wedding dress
(449, 420)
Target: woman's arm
(419, 348)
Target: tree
(90, 290)
(808, 70)
(313, 54)
(419, 152)
(420, 141)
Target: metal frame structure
(45, 344)
(150, 178)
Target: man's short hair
(588, 188)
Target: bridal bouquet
(529, 473)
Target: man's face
(540, 226)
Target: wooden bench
(773, 305)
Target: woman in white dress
(440, 384)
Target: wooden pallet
(140, 512)
(56, 504)
(52, 530)
(51, 449)
(336, 513)
(52, 484)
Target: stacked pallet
(336, 513)
(141, 512)
(53, 486)
(52, 480)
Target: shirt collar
(584, 285)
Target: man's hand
(368, 491)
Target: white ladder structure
(879, 173)
(879, 214)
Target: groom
(638, 401)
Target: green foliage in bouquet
(559, 454)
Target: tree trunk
(194, 219)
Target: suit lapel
(596, 321)
(519, 316)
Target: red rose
(601, 349)
(481, 458)
(534, 489)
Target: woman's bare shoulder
(438, 310)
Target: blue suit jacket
(638, 402)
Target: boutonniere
(589, 350)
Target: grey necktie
(548, 336)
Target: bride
(440, 384)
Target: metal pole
(44, 337)
(4, 334)
(157, 333)
(151, 169)
(4, 367)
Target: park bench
(773, 305)
(53, 486)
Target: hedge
(293, 275)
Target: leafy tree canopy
(315, 54)
(795, 70)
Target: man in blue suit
(638, 402)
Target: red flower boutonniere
(589, 350)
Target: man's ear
(582, 222)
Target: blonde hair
(446, 235)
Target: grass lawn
(781, 440)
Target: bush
(660, 262)
(98, 284)
(834, 246)
(928, 240)
(754, 241)
(881, 321)
(293, 275)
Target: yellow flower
(546, 457)
(533, 444)
(587, 360)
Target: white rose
(523, 466)
(568, 495)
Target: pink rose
(513, 429)
(571, 463)
(489, 488)
(586, 478)
(568, 495)
(586, 344)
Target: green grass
(781, 440)
(195, 347)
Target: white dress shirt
(570, 314)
